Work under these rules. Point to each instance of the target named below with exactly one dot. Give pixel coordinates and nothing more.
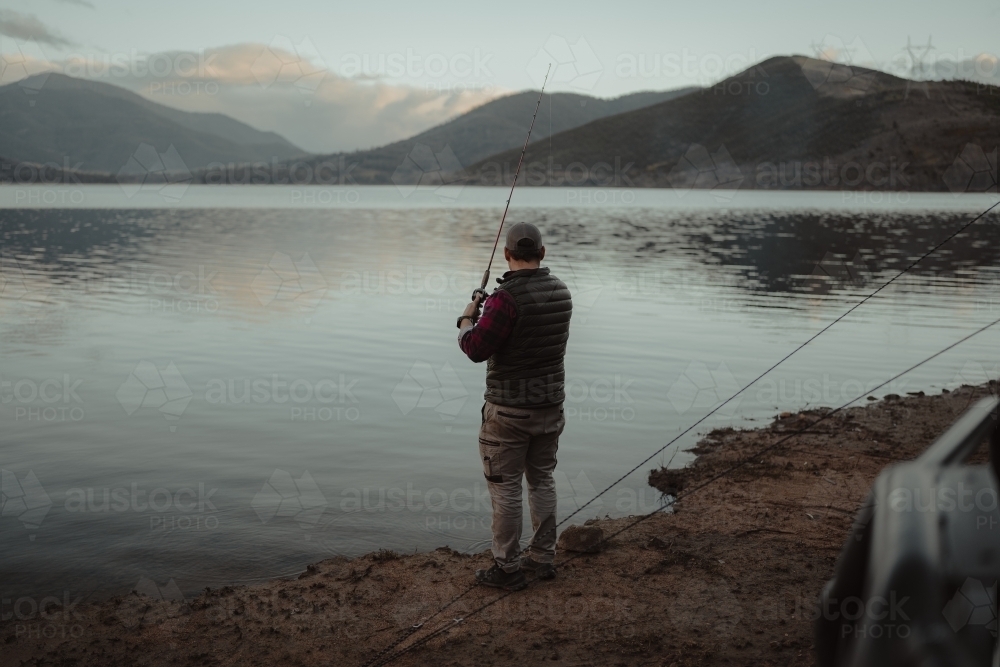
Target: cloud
(284, 88)
(82, 3)
(27, 27)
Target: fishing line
(481, 292)
(736, 466)
(417, 627)
(783, 360)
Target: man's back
(528, 370)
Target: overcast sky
(419, 61)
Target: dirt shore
(729, 578)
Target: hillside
(100, 126)
(787, 123)
(493, 127)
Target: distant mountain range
(491, 128)
(790, 122)
(787, 123)
(99, 126)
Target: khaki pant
(515, 442)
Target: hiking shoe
(540, 570)
(498, 578)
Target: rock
(784, 415)
(585, 539)
(657, 543)
(892, 397)
(669, 481)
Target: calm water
(226, 387)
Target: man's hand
(472, 310)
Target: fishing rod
(481, 292)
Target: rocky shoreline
(729, 578)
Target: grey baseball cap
(523, 235)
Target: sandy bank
(730, 578)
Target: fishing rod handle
(482, 288)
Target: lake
(208, 386)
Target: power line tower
(918, 68)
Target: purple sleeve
(494, 327)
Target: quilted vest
(528, 370)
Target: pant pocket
(489, 452)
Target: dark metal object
(917, 578)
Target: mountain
(493, 127)
(96, 126)
(790, 122)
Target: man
(522, 332)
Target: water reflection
(166, 323)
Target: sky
(342, 76)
